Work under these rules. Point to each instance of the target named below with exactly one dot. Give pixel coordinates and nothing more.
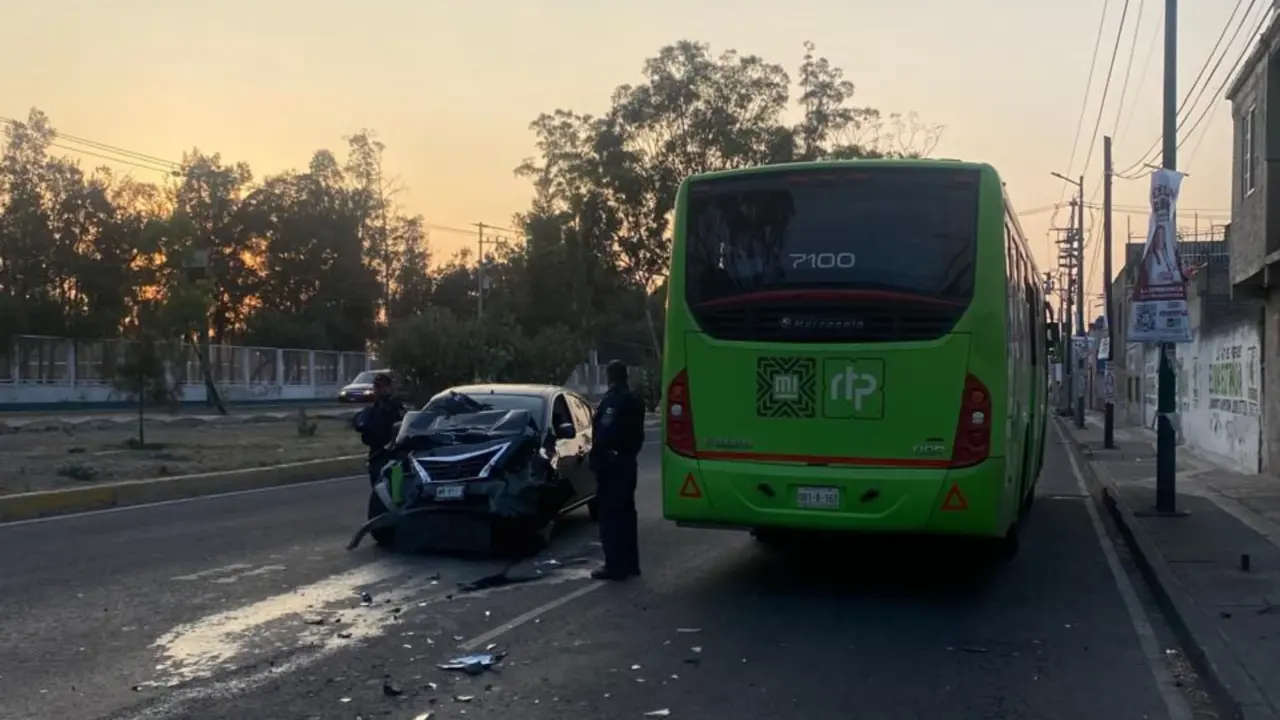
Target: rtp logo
(854, 389)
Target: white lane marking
(234, 567)
(249, 573)
(1174, 702)
(533, 614)
(180, 501)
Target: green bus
(853, 346)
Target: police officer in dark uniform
(377, 423)
(618, 436)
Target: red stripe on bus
(811, 295)
(822, 459)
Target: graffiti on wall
(1233, 380)
(1226, 405)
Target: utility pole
(1067, 261)
(1109, 407)
(1081, 361)
(1073, 255)
(1166, 441)
(480, 271)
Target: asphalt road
(248, 606)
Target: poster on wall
(1158, 306)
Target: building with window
(1254, 246)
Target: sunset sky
(451, 87)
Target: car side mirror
(566, 431)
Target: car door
(582, 416)
(570, 460)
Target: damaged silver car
(483, 467)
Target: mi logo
(786, 388)
(855, 388)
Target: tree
(608, 185)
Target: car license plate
(826, 498)
(449, 492)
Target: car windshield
(533, 404)
(364, 378)
(456, 418)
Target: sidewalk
(1215, 571)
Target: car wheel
(384, 536)
(593, 509)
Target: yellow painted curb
(47, 503)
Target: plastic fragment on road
(464, 698)
(696, 648)
(473, 664)
(688, 631)
(424, 716)
(664, 712)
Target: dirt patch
(50, 460)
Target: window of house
(1248, 163)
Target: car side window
(581, 413)
(560, 412)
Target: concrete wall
(44, 372)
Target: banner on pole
(1158, 304)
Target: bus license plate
(825, 498)
(449, 492)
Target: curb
(49, 503)
(1204, 643)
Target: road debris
(473, 664)
(464, 698)
(366, 599)
(664, 712)
(688, 631)
(424, 716)
(390, 690)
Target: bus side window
(1032, 341)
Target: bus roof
(941, 164)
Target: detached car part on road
(482, 468)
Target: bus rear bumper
(746, 495)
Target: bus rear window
(826, 254)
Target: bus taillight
(680, 417)
(973, 429)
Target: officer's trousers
(616, 496)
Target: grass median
(54, 460)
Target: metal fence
(54, 361)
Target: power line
(1187, 103)
(1084, 103)
(136, 156)
(1142, 74)
(1106, 88)
(1244, 52)
(1128, 66)
(150, 162)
